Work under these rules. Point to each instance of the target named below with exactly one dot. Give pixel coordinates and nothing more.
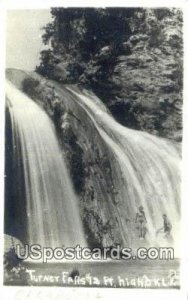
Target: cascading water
(51, 206)
(147, 169)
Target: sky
(23, 37)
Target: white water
(149, 170)
(52, 206)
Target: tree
(77, 35)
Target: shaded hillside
(130, 58)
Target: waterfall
(146, 169)
(51, 207)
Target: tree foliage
(76, 35)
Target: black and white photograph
(93, 147)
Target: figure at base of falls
(141, 223)
(166, 229)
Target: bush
(29, 85)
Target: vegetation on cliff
(130, 57)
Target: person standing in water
(167, 227)
(141, 221)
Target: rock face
(136, 70)
(150, 77)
